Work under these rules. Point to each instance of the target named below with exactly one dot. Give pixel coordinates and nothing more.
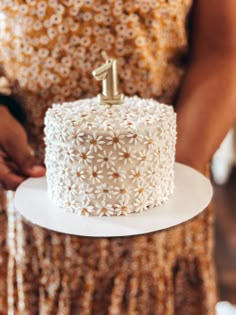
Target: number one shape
(107, 73)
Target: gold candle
(107, 73)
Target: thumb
(35, 171)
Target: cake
(110, 159)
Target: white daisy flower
(149, 120)
(115, 139)
(70, 205)
(69, 154)
(157, 156)
(69, 188)
(59, 154)
(95, 175)
(125, 155)
(106, 159)
(95, 142)
(64, 172)
(152, 174)
(141, 190)
(116, 174)
(107, 125)
(104, 209)
(140, 204)
(88, 125)
(103, 191)
(149, 139)
(134, 137)
(85, 157)
(120, 191)
(88, 192)
(122, 207)
(136, 175)
(126, 123)
(76, 137)
(153, 202)
(142, 157)
(86, 209)
(78, 175)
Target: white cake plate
(193, 193)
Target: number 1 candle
(107, 73)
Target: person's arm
(206, 107)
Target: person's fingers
(35, 171)
(16, 146)
(9, 180)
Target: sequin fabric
(48, 50)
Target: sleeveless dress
(48, 51)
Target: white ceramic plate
(193, 193)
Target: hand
(16, 159)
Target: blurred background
(224, 181)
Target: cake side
(104, 160)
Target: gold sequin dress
(48, 50)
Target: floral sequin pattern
(110, 172)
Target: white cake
(110, 160)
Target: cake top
(89, 115)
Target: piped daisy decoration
(116, 174)
(140, 204)
(125, 155)
(127, 124)
(70, 205)
(68, 188)
(63, 134)
(78, 175)
(141, 190)
(88, 125)
(85, 157)
(88, 192)
(153, 201)
(104, 191)
(149, 139)
(104, 209)
(135, 175)
(107, 126)
(120, 191)
(122, 208)
(157, 155)
(95, 175)
(115, 139)
(149, 120)
(95, 142)
(106, 159)
(61, 171)
(142, 157)
(69, 155)
(152, 174)
(76, 137)
(134, 137)
(86, 209)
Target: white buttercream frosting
(110, 160)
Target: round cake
(110, 159)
